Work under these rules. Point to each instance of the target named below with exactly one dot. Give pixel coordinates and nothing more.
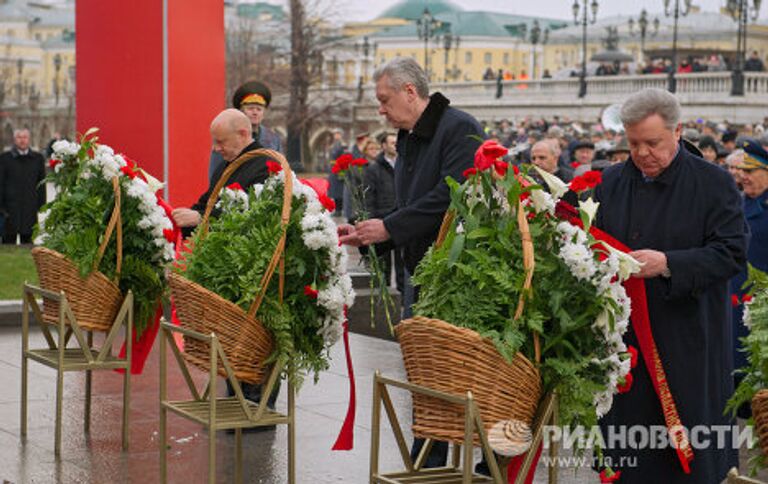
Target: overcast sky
(368, 9)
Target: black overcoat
(692, 212)
(21, 191)
(442, 143)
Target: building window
(506, 58)
(468, 57)
(488, 58)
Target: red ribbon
(517, 462)
(345, 440)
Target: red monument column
(150, 76)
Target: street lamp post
(57, 67)
(426, 27)
(585, 19)
(19, 68)
(447, 41)
(740, 11)
(676, 12)
(642, 23)
(455, 70)
(535, 39)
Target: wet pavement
(98, 458)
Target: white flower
(603, 402)
(628, 265)
(746, 317)
(65, 149)
(542, 201)
(589, 208)
(573, 253)
(556, 186)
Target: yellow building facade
(37, 52)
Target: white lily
(589, 207)
(154, 183)
(628, 265)
(556, 186)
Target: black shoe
(255, 430)
(482, 468)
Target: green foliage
(75, 226)
(756, 346)
(232, 259)
(476, 277)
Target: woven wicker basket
(760, 413)
(243, 338)
(455, 360)
(95, 300)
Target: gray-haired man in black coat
(682, 217)
(434, 141)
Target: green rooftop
(413, 9)
(482, 24)
(261, 10)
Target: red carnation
(608, 475)
(746, 298)
(575, 164)
(734, 300)
(488, 153)
(235, 186)
(128, 171)
(342, 163)
(633, 356)
(327, 202)
(310, 292)
(469, 172)
(578, 185)
(53, 162)
(501, 167)
(274, 167)
(593, 178)
(169, 235)
(359, 162)
(565, 210)
(515, 169)
(628, 379)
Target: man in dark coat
(434, 141)
(379, 180)
(22, 192)
(682, 218)
(231, 135)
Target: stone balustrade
(702, 95)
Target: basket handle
(115, 221)
(529, 262)
(228, 171)
(279, 253)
